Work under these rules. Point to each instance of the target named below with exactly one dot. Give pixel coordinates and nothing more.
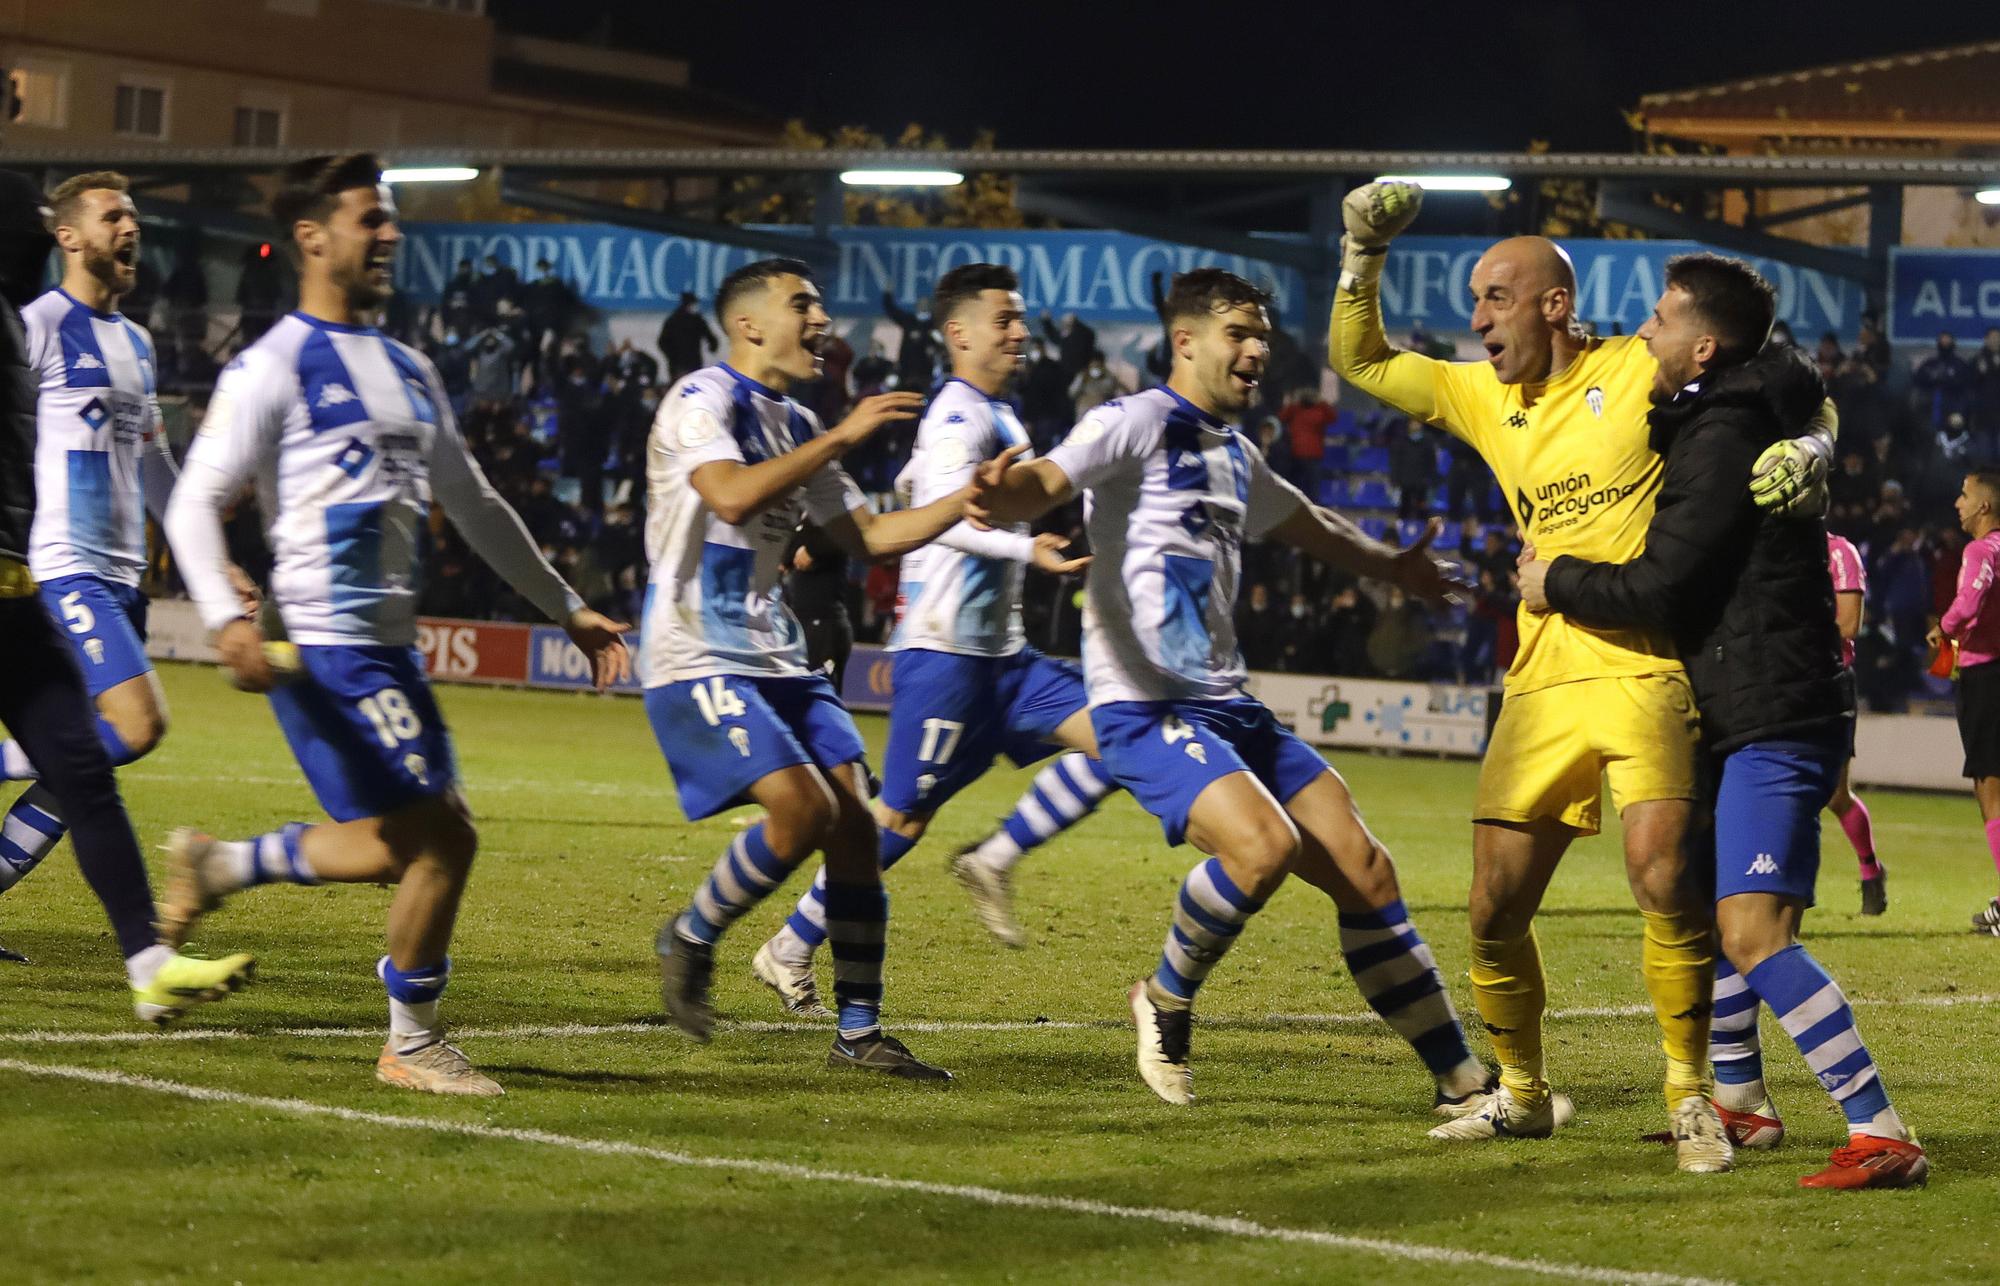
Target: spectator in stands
(1468, 483)
(1986, 398)
(1945, 380)
(1902, 587)
(260, 293)
(816, 588)
(453, 358)
(1494, 553)
(1302, 639)
(1401, 636)
(1288, 369)
(1852, 490)
(1349, 623)
(549, 303)
(186, 292)
(1891, 514)
(873, 372)
(1045, 404)
(1094, 385)
(1865, 410)
(1492, 603)
(1413, 468)
(836, 360)
(1074, 341)
(1886, 670)
(1828, 357)
(457, 298)
(497, 282)
(684, 338)
(492, 352)
(917, 355)
(1276, 448)
(1871, 348)
(1306, 418)
(1259, 629)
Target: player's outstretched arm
(1022, 494)
(1357, 347)
(1700, 514)
(879, 537)
(737, 492)
(1336, 541)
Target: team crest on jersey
(951, 454)
(1593, 397)
(331, 395)
(94, 413)
(698, 428)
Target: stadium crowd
(560, 427)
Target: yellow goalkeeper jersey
(1572, 458)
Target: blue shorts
(952, 716)
(363, 725)
(1767, 806)
(105, 624)
(1167, 752)
(722, 735)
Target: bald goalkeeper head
(1524, 309)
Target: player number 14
(716, 701)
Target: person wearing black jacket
(1748, 599)
(43, 700)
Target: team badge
(1594, 398)
(698, 428)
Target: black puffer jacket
(24, 252)
(1746, 595)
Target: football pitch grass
(252, 1143)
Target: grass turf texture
(1299, 1125)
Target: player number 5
(81, 619)
(940, 739)
(716, 700)
(395, 722)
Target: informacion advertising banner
(1378, 714)
(1100, 276)
(1931, 291)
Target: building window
(259, 127)
(42, 91)
(141, 110)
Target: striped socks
(1063, 794)
(1398, 977)
(857, 923)
(1209, 911)
(28, 834)
(805, 927)
(1815, 1013)
(1734, 1046)
(274, 857)
(745, 874)
(413, 1003)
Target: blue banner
(555, 662)
(1932, 291)
(866, 684)
(1101, 276)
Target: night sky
(1408, 74)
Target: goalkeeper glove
(1789, 478)
(1374, 213)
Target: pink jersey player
(1843, 560)
(1973, 619)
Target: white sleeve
(956, 447)
(831, 494)
(488, 523)
(1103, 444)
(693, 426)
(156, 470)
(1272, 499)
(246, 417)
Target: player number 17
(940, 739)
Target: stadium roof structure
(1934, 97)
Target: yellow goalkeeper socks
(1678, 962)
(1509, 988)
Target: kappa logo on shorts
(94, 649)
(740, 738)
(1764, 865)
(1197, 752)
(414, 765)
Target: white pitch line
(569, 1031)
(978, 1194)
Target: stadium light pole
(901, 178)
(429, 174)
(1451, 182)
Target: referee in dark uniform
(816, 587)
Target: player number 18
(395, 722)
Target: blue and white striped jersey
(100, 457)
(346, 435)
(1171, 495)
(714, 600)
(962, 593)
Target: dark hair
(1987, 476)
(310, 189)
(66, 199)
(1729, 295)
(1209, 290)
(964, 284)
(755, 276)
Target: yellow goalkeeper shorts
(1551, 748)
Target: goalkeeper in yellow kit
(1561, 419)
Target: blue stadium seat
(1448, 539)
(1371, 460)
(1333, 492)
(1372, 494)
(1336, 457)
(1374, 528)
(1408, 530)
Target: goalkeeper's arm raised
(1356, 346)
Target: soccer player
(1744, 595)
(1850, 586)
(1972, 622)
(348, 436)
(43, 698)
(1173, 488)
(1560, 417)
(101, 465)
(967, 686)
(731, 467)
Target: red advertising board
(474, 651)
